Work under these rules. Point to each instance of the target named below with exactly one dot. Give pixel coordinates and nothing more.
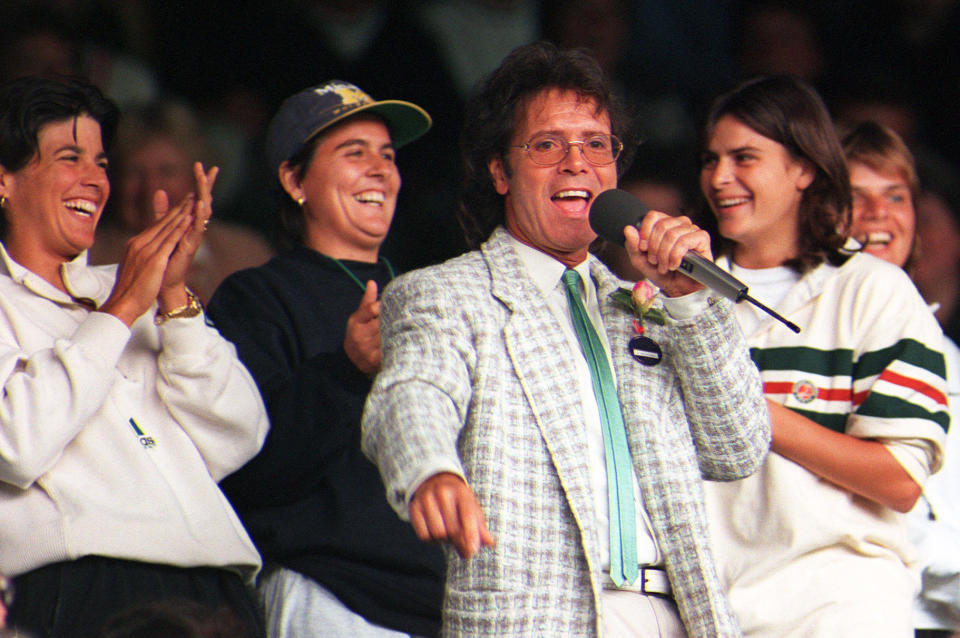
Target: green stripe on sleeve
(887, 407)
(839, 362)
(827, 363)
(907, 350)
(835, 422)
(880, 406)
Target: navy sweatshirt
(311, 500)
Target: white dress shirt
(546, 273)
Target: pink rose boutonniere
(639, 302)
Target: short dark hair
(28, 104)
(492, 114)
(788, 111)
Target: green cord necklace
(363, 286)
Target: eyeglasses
(548, 149)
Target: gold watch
(192, 308)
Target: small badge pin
(645, 350)
(639, 301)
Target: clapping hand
(155, 261)
(175, 276)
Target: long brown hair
(789, 112)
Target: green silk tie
(623, 518)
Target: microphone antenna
(773, 313)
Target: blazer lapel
(533, 337)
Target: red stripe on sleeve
(835, 394)
(777, 387)
(914, 384)
(823, 394)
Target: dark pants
(934, 633)
(75, 599)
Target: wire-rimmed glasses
(548, 149)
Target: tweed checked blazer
(475, 380)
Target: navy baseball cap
(305, 114)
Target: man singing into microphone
(511, 419)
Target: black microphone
(613, 209)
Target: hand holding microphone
(613, 210)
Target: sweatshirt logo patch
(804, 391)
(146, 441)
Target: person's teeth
(82, 206)
(732, 201)
(877, 237)
(572, 193)
(370, 197)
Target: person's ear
(806, 175)
(499, 174)
(5, 185)
(290, 182)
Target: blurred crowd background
(227, 64)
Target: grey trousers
(299, 607)
(628, 614)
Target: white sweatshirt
(112, 440)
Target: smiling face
(883, 216)
(55, 201)
(548, 207)
(754, 187)
(349, 189)
(155, 163)
(939, 233)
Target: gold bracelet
(192, 308)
